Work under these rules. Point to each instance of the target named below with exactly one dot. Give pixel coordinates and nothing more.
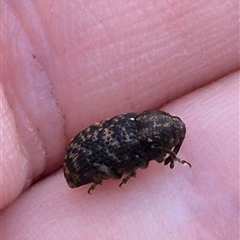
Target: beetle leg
(125, 180)
(100, 172)
(97, 180)
(173, 156)
(183, 162)
(92, 187)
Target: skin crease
(66, 66)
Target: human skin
(66, 66)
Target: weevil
(120, 145)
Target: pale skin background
(67, 64)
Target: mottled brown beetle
(120, 145)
